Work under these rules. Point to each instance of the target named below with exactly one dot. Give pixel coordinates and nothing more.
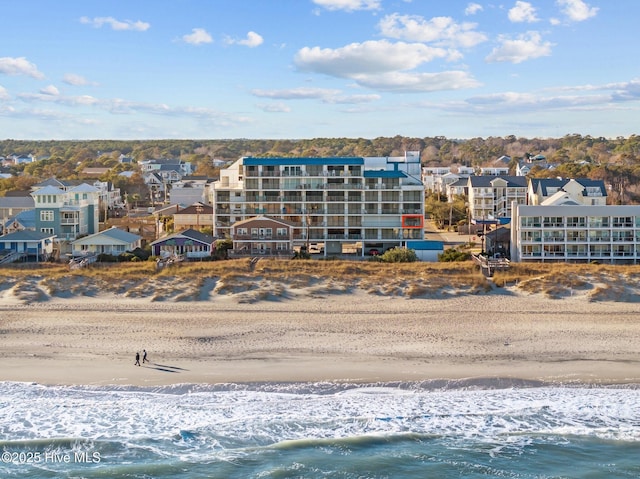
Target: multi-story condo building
(570, 231)
(491, 196)
(373, 202)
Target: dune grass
(393, 279)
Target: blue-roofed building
(426, 250)
(113, 241)
(25, 220)
(67, 214)
(26, 245)
(343, 202)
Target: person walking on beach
(137, 363)
(144, 356)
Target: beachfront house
(262, 236)
(67, 214)
(195, 216)
(26, 245)
(190, 244)
(113, 241)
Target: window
(46, 215)
(576, 222)
(553, 221)
(529, 221)
(281, 232)
(530, 235)
(241, 231)
(48, 231)
(623, 221)
(598, 221)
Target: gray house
(190, 243)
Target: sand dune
(78, 330)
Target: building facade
(584, 191)
(576, 233)
(376, 202)
(491, 196)
(67, 214)
(261, 236)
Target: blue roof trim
(384, 174)
(250, 161)
(425, 245)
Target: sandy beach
(350, 337)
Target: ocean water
(325, 430)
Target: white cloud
(385, 66)
(324, 94)
(4, 94)
(19, 66)
(442, 31)
(98, 22)
(50, 90)
(49, 95)
(253, 40)
(473, 8)
(606, 96)
(526, 47)
(349, 5)
(76, 80)
(296, 93)
(577, 10)
(413, 82)
(274, 107)
(523, 12)
(198, 36)
(366, 58)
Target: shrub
(399, 255)
(452, 254)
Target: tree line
(614, 160)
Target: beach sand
(348, 337)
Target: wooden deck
(489, 266)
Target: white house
(113, 241)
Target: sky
(296, 69)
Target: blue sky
(207, 69)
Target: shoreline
(349, 338)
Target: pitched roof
(193, 210)
(26, 218)
(48, 190)
(16, 202)
(560, 198)
(26, 235)
(545, 183)
(485, 181)
(85, 188)
(113, 233)
(188, 233)
(62, 184)
(262, 218)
